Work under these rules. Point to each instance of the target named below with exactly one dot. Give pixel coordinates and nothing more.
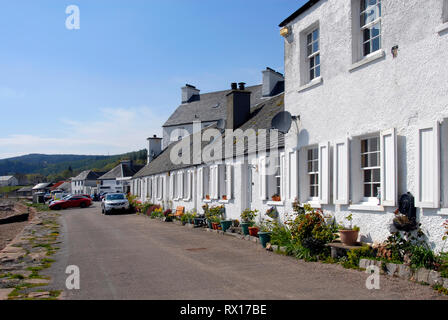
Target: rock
(392, 269)
(269, 247)
(445, 283)
(275, 248)
(435, 278)
(247, 237)
(364, 263)
(254, 239)
(4, 293)
(37, 256)
(41, 295)
(283, 249)
(404, 272)
(422, 275)
(10, 257)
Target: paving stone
(4, 293)
(37, 281)
(435, 278)
(41, 295)
(422, 275)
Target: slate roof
(88, 175)
(6, 178)
(261, 117)
(121, 171)
(41, 186)
(301, 10)
(25, 189)
(210, 107)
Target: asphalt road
(133, 257)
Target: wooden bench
(179, 212)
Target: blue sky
(105, 88)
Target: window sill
(207, 201)
(186, 200)
(314, 204)
(368, 59)
(276, 203)
(366, 207)
(442, 28)
(311, 84)
(443, 212)
(224, 201)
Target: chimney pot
(233, 86)
(242, 85)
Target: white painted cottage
(234, 180)
(8, 181)
(369, 80)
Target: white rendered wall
(399, 93)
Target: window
(370, 25)
(313, 53)
(371, 167)
(445, 11)
(271, 171)
(313, 172)
(148, 187)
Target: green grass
(39, 206)
(9, 189)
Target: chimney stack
(270, 80)
(154, 147)
(190, 93)
(238, 106)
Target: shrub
(310, 230)
(281, 236)
(355, 255)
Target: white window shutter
(428, 166)
(262, 178)
(189, 176)
(229, 181)
(172, 186)
(215, 182)
(282, 176)
(181, 185)
(388, 145)
(201, 183)
(324, 173)
(292, 175)
(341, 172)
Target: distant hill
(55, 166)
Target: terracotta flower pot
(253, 231)
(349, 237)
(216, 225)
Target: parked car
(71, 202)
(114, 202)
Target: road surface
(133, 257)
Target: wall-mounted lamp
(285, 31)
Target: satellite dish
(282, 122)
(221, 124)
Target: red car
(71, 202)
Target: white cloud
(115, 131)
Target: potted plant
(265, 232)
(224, 197)
(349, 236)
(272, 213)
(247, 220)
(207, 215)
(207, 197)
(276, 198)
(185, 217)
(168, 214)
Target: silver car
(114, 202)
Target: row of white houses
(371, 99)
